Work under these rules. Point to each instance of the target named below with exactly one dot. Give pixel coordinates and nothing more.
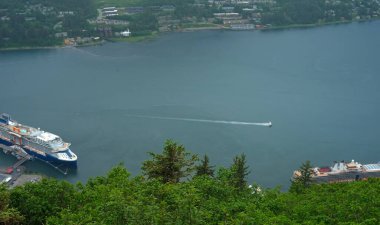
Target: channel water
(319, 87)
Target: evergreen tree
(170, 166)
(204, 168)
(304, 180)
(239, 172)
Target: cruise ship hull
(54, 161)
(347, 176)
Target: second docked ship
(342, 172)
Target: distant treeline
(177, 188)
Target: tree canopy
(119, 198)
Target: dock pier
(22, 157)
(18, 152)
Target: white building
(126, 33)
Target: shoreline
(194, 29)
(30, 48)
(313, 25)
(10, 49)
(294, 26)
(134, 39)
(156, 34)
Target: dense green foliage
(295, 12)
(289, 12)
(143, 23)
(118, 198)
(8, 215)
(36, 203)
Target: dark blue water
(319, 87)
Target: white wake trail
(268, 124)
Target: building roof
(324, 169)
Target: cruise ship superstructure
(37, 143)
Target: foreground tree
(204, 168)
(240, 170)
(304, 180)
(8, 215)
(37, 201)
(170, 166)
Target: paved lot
(25, 178)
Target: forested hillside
(48, 22)
(36, 22)
(166, 193)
